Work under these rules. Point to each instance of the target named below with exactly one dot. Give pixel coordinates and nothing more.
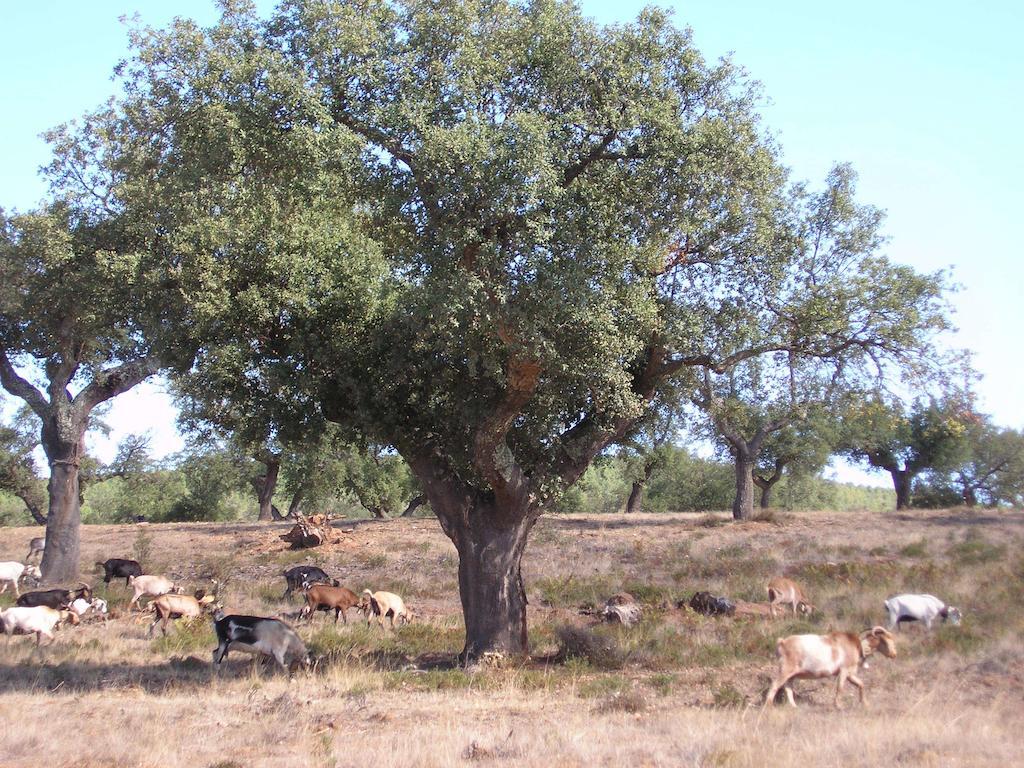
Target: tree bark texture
(491, 587)
(490, 534)
(743, 503)
(60, 557)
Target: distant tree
(993, 470)
(802, 447)
(74, 288)
(212, 476)
(832, 317)
(646, 450)
(930, 435)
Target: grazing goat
(36, 547)
(782, 591)
(321, 597)
(381, 604)
(58, 599)
(167, 607)
(12, 572)
(835, 654)
(80, 607)
(924, 608)
(38, 619)
(154, 586)
(298, 576)
(259, 636)
(118, 568)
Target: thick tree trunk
(491, 586)
(743, 503)
(265, 486)
(970, 497)
(60, 558)
(415, 503)
(902, 480)
(489, 531)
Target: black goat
(306, 573)
(58, 599)
(117, 568)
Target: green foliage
(12, 510)
(215, 480)
(18, 476)
(686, 483)
(603, 488)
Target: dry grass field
(678, 690)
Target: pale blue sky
(925, 99)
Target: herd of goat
(40, 612)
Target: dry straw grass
(685, 690)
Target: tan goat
(782, 591)
(837, 654)
(171, 606)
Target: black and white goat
(259, 636)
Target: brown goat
(324, 597)
(837, 654)
(782, 591)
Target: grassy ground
(679, 689)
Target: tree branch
(577, 447)
(109, 384)
(492, 457)
(596, 152)
(19, 387)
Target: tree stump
(310, 531)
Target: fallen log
(310, 531)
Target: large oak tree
(485, 233)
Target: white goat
(12, 572)
(80, 607)
(38, 619)
(154, 586)
(923, 608)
